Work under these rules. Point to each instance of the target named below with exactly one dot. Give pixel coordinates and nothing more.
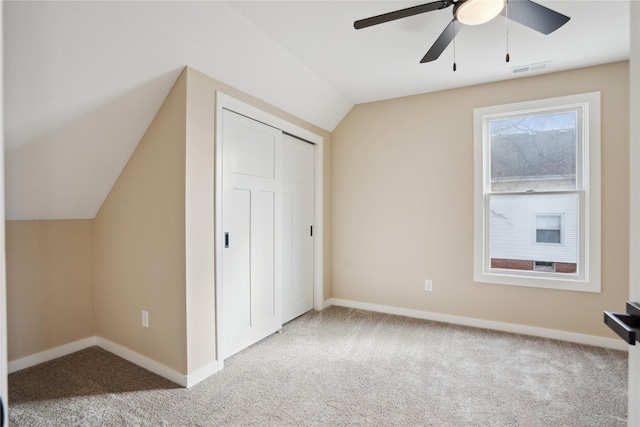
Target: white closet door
(251, 220)
(267, 215)
(297, 220)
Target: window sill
(539, 280)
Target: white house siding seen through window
(514, 231)
(536, 193)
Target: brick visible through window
(518, 264)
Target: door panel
(239, 226)
(250, 290)
(259, 148)
(297, 183)
(287, 252)
(263, 256)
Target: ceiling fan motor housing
(476, 12)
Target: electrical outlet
(428, 285)
(145, 319)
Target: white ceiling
(383, 61)
(83, 80)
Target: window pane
(547, 236)
(534, 153)
(548, 222)
(514, 237)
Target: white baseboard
(203, 373)
(615, 344)
(143, 361)
(130, 355)
(194, 378)
(182, 380)
(53, 353)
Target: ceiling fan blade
(443, 41)
(535, 16)
(402, 13)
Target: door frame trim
(226, 102)
(633, 417)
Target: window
(544, 266)
(537, 193)
(548, 229)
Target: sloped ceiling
(83, 80)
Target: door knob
(626, 325)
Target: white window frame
(589, 240)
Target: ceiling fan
(475, 12)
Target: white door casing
(3, 288)
(634, 230)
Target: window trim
(588, 279)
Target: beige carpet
(343, 367)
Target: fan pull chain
(507, 58)
(453, 30)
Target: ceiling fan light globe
(476, 12)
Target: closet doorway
(267, 231)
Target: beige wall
(199, 227)
(139, 261)
(150, 246)
(49, 293)
(402, 208)
(154, 246)
(402, 174)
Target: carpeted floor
(343, 367)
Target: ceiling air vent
(530, 68)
